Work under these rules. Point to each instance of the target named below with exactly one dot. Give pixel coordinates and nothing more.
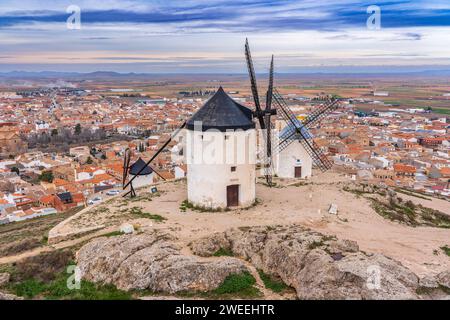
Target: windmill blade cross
(269, 95)
(126, 165)
(321, 112)
(268, 114)
(251, 72)
(311, 148)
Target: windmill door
(233, 195)
(298, 172)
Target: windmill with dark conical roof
(140, 172)
(220, 151)
(220, 154)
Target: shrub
(46, 176)
(43, 267)
(138, 212)
(276, 285)
(315, 244)
(58, 289)
(223, 252)
(29, 288)
(242, 283)
(20, 246)
(409, 204)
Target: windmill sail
(263, 115)
(269, 97)
(321, 112)
(296, 127)
(251, 72)
(126, 165)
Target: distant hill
(112, 75)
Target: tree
(16, 170)
(46, 176)
(89, 160)
(103, 156)
(78, 129)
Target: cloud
(236, 16)
(209, 34)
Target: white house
(180, 171)
(87, 173)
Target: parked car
(95, 200)
(112, 192)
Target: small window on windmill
(233, 169)
(154, 190)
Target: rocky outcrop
(437, 287)
(317, 266)
(7, 296)
(153, 262)
(4, 278)
(443, 279)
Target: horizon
(337, 71)
(197, 37)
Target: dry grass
(26, 235)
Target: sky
(199, 36)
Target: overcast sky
(208, 36)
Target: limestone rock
(152, 261)
(318, 266)
(443, 279)
(355, 276)
(7, 296)
(4, 278)
(340, 246)
(333, 209)
(127, 228)
(428, 282)
(209, 245)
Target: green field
(442, 111)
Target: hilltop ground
(306, 203)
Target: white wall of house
(179, 173)
(210, 157)
(293, 156)
(143, 181)
(83, 175)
